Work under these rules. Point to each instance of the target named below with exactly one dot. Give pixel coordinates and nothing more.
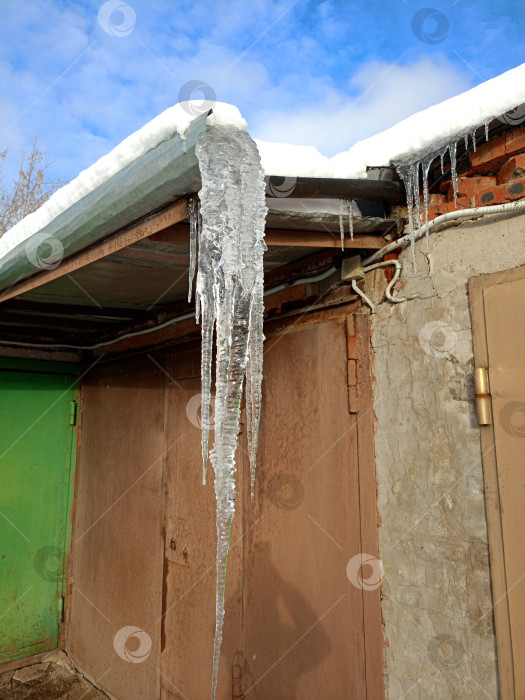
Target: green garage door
(37, 447)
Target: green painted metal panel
(46, 366)
(37, 449)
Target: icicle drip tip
(473, 137)
(193, 215)
(342, 205)
(229, 291)
(487, 131)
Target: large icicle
(230, 296)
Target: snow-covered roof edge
(424, 132)
(408, 140)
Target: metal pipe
(361, 294)
(450, 216)
(388, 291)
(184, 317)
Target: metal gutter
(387, 191)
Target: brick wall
(494, 174)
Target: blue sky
(321, 73)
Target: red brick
(490, 156)
(515, 142)
(468, 187)
(389, 271)
(502, 193)
(513, 169)
(435, 199)
(442, 208)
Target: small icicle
(487, 131)
(453, 172)
(442, 156)
(425, 167)
(350, 204)
(406, 173)
(417, 199)
(193, 208)
(473, 137)
(342, 204)
(466, 142)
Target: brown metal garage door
(296, 626)
(299, 624)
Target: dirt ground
(53, 679)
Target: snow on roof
(405, 142)
(425, 132)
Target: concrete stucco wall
(439, 634)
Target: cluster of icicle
(410, 175)
(229, 226)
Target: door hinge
(60, 609)
(73, 410)
(482, 389)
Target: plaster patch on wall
(433, 536)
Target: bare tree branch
(29, 190)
